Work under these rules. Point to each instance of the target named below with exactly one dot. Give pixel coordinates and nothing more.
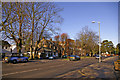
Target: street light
(99, 41)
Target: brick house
(48, 48)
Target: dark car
(64, 56)
(54, 56)
(97, 57)
(94, 55)
(87, 54)
(51, 58)
(74, 57)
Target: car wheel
(26, 60)
(14, 61)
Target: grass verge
(66, 59)
(82, 57)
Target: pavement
(104, 69)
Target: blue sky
(80, 14)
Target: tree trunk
(17, 47)
(20, 30)
(31, 48)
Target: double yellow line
(84, 74)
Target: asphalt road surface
(44, 68)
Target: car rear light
(73, 57)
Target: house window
(11, 50)
(46, 54)
(43, 43)
(6, 47)
(50, 46)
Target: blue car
(15, 58)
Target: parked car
(64, 56)
(112, 54)
(51, 57)
(87, 54)
(94, 55)
(41, 58)
(74, 57)
(105, 55)
(97, 57)
(108, 55)
(54, 57)
(15, 58)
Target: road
(44, 68)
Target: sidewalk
(105, 69)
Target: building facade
(48, 48)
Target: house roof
(4, 43)
(44, 48)
(5, 51)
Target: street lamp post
(99, 41)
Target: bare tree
(48, 19)
(14, 15)
(34, 22)
(88, 40)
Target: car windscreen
(7, 56)
(77, 56)
(72, 55)
(15, 54)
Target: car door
(22, 58)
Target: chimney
(50, 39)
